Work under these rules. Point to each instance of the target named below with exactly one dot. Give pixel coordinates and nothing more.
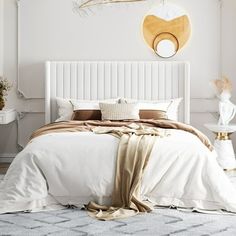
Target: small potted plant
(5, 86)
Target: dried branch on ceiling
(78, 5)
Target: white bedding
(74, 168)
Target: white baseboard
(7, 157)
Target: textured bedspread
(61, 168)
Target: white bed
(62, 168)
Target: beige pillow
(127, 111)
(170, 106)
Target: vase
(227, 109)
(2, 103)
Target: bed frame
(96, 80)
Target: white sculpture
(227, 109)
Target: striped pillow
(127, 111)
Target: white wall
(110, 33)
(1, 37)
(51, 31)
(228, 45)
(228, 41)
(8, 132)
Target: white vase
(227, 109)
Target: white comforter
(74, 168)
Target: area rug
(160, 222)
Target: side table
(223, 145)
(7, 116)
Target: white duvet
(74, 168)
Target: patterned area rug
(161, 222)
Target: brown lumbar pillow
(97, 115)
(87, 115)
(152, 114)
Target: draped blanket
(86, 126)
(137, 139)
(134, 150)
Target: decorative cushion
(170, 106)
(152, 114)
(97, 115)
(87, 115)
(65, 109)
(127, 111)
(66, 106)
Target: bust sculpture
(227, 109)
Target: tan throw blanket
(137, 139)
(83, 126)
(134, 150)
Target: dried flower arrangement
(5, 87)
(223, 84)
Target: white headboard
(96, 80)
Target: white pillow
(65, 109)
(122, 111)
(67, 106)
(173, 110)
(170, 106)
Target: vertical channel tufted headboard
(96, 80)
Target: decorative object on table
(166, 29)
(227, 109)
(223, 145)
(5, 86)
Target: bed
(72, 168)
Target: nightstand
(223, 145)
(7, 116)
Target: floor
(3, 168)
(161, 222)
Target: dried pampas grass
(223, 84)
